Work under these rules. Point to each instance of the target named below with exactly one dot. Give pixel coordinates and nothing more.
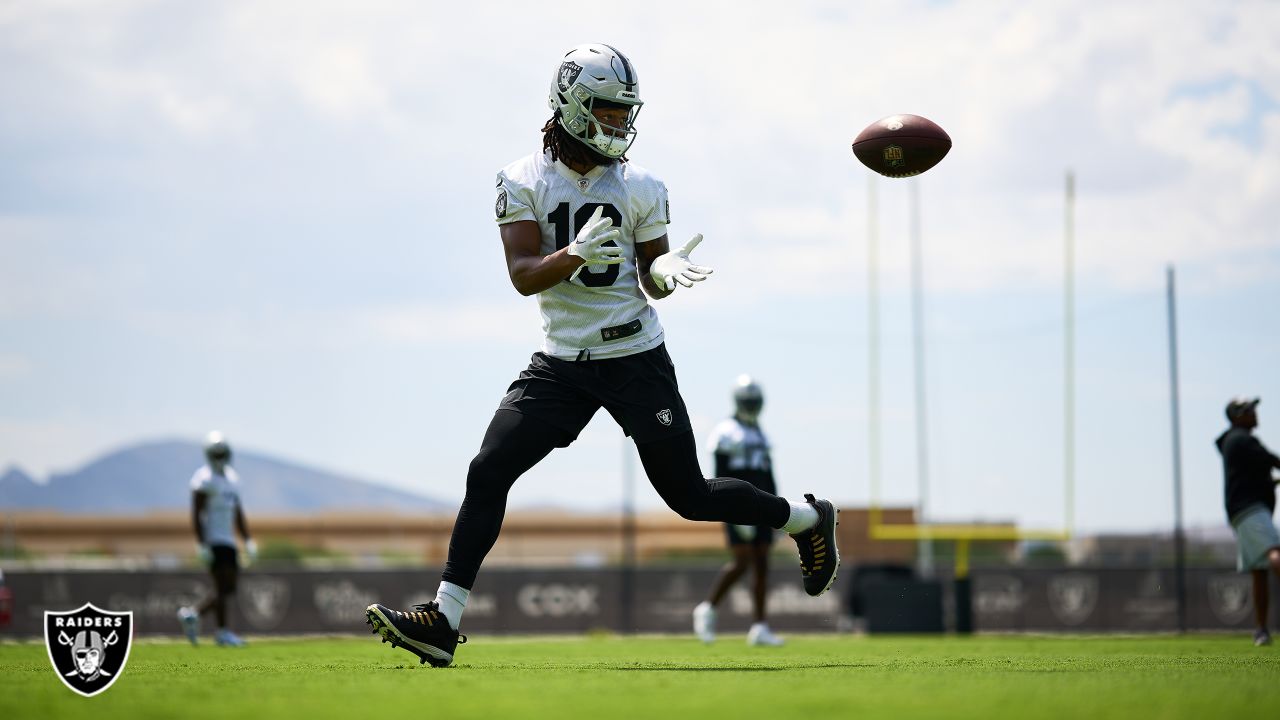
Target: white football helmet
(589, 74)
(748, 398)
(216, 448)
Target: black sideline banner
(581, 600)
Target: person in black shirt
(1250, 495)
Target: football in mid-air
(901, 145)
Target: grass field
(658, 678)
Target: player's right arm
(532, 272)
(198, 500)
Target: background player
(585, 231)
(741, 451)
(215, 506)
(1251, 500)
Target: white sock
(452, 600)
(803, 516)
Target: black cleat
(819, 556)
(423, 631)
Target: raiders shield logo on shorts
(88, 646)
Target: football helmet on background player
(748, 398)
(216, 449)
(591, 74)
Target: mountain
(156, 476)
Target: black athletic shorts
(752, 534)
(224, 556)
(639, 391)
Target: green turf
(659, 678)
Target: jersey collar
(582, 181)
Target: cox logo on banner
(556, 600)
(88, 646)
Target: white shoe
(190, 623)
(226, 638)
(760, 634)
(704, 622)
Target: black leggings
(515, 442)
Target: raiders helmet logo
(88, 646)
(664, 417)
(500, 207)
(569, 72)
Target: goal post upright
(962, 534)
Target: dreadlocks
(569, 150)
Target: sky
(275, 219)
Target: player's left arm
(646, 253)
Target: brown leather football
(901, 145)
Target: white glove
(590, 243)
(204, 553)
(674, 267)
(251, 549)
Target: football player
(216, 512)
(586, 231)
(741, 451)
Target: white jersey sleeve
(201, 479)
(655, 221)
(603, 312)
(725, 438)
(514, 201)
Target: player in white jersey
(586, 231)
(216, 513)
(740, 450)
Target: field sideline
(655, 677)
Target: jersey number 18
(566, 233)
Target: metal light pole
(1179, 540)
(1069, 355)
(627, 586)
(873, 348)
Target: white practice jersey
(222, 495)
(602, 311)
(745, 445)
